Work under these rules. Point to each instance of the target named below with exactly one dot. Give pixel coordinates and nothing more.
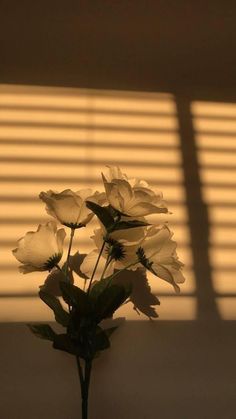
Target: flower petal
(156, 238)
(164, 273)
(41, 249)
(61, 234)
(145, 208)
(88, 263)
(114, 172)
(25, 269)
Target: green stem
(87, 375)
(61, 270)
(72, 232)
(84, 408)
(84, 384)
(121, 270)
(106, 266)
(118, 272)
(95, 267)
(80, 371)
(65, 272)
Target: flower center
(52, 261)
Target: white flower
(70, 207)
(40, 250)
(128, 242)
(114, 172)
(151, 248)
(131, 197)
(158, 254)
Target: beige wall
(180, 136)
(181, 365)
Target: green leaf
(61, 316)
(102, 213)
(128, 286)
(64, 343)
(98, 288)
(66, 272)
(75, 297)
(43, 331)
(109, 301)
(124, 225)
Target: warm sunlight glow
(58, 138)
(215, 132)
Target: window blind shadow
(56, 138)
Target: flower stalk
(84, 384)
(125, 239)
(87, 375)
(96, 265)
(108, 261)
(72, 232)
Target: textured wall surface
(150, 87)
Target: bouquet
(126, 245)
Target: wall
(151, 89)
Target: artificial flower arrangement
(125, 241)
